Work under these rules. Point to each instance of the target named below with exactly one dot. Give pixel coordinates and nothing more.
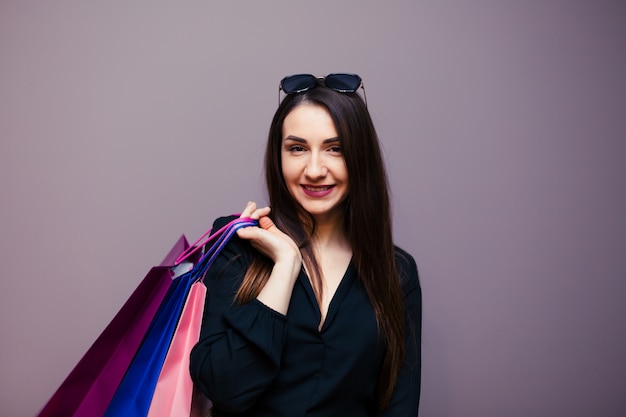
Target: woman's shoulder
(407, 270)
(222, 221)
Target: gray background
(126, 124)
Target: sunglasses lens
(344, 83)
(298, 83)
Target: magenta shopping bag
(90, 386)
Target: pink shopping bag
(174, 390)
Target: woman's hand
(281, 249)
(267, 238)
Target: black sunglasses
(340, 82)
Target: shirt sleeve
(240, 347)
(406, 396)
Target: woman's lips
(317, 191)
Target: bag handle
(199, 243)
(204, 264)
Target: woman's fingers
(247, 211)
(253, 212)
(266, 223)
(266, 237)
(260, 213)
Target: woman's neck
(330, 234)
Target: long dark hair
(367, 220)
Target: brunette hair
(367, 220)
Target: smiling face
(312, 162)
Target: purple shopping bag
(88, 389)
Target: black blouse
(253, 361)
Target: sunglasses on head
(340, 82)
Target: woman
(314, 312)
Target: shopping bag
(173, 393)
(90, 386)
(136, 391)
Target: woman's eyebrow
(301, 140)
(295, 139)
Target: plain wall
(125, 124)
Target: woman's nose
(316, 168)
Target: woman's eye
(335, 149)
(296, 148)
